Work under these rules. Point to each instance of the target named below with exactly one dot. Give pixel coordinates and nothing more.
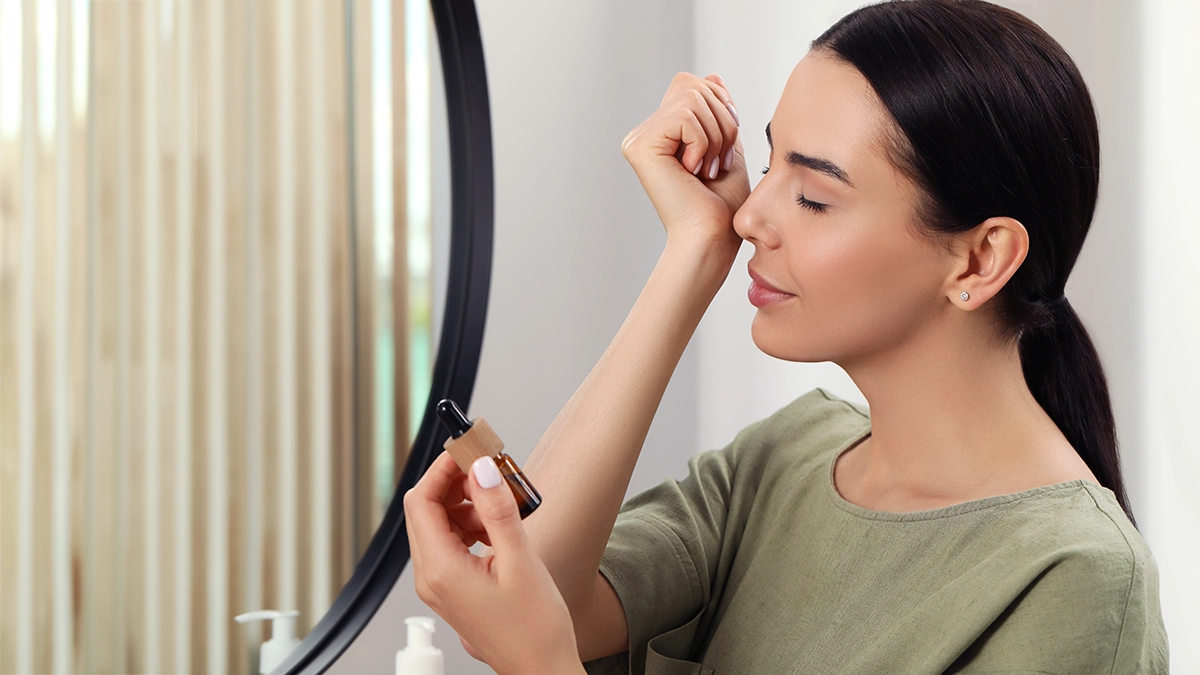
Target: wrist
(703, 264)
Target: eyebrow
(817, 164)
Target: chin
(789, 345)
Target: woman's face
(832, 223)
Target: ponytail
(1063, 371)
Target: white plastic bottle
(419, 657)
(283, 637)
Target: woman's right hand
(504, 605)
(689, 159)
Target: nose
(752, 222)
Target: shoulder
(780, 448)
(1081, 522)
(1100, 553)
(809, 427)
(820, 411)
(1071, 535)
(1084, 577)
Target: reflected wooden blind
(186, 251)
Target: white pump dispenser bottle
(419, 657)
(283, 637)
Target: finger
(728, 128)
(498, 511)
(717, 84)
(468, 537)
(441, 553)
(679, 83)
(464, 517)
(692, 138)
(462, 535)
(456, 493)
(426, 519)
(683, 81)
(433, 485)
(726, 113)
(465, 514)
(463, 520)
(696, 101)
(413, 547)
(438, 480)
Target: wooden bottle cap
(479, 441)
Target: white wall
(576, 239)
(1169, 230)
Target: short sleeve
(664, 551)
(672, 547)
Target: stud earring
(964, 295)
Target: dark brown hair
(994, 119)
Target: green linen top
(755, 564)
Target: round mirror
(246, 244)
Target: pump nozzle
(420, 631)
(419, 657)
(283, 636)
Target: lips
(762, 293)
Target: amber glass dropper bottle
(471, 440)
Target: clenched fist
(689, 159)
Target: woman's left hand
(504, 604)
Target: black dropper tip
(452, 417)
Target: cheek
(859, 264)
(860, 287)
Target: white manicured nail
(486, 473)
(733, 111)
(712, 173)
(728, 159)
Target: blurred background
(576, 238)
(223, 234)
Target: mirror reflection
(225, 234)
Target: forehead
(829, 110)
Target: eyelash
(815, 207)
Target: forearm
(583, 463)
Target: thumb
(497, 508)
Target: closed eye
(815, 207)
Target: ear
(985, 258)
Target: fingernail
(728, 159)
(699, 164)
(733, 111)
(486, 473)
(712, 173)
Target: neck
(951, 420)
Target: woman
(933, 172)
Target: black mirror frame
(470, 269)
